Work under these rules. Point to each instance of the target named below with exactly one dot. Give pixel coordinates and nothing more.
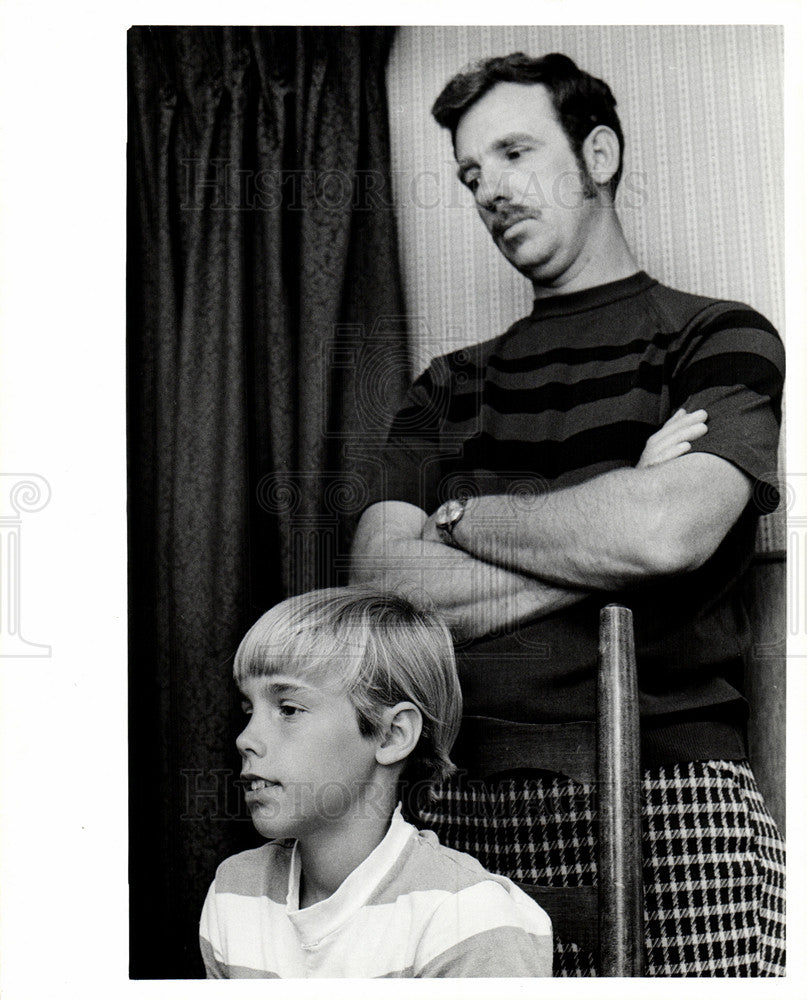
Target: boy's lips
(255, 783)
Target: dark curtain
(266, 352)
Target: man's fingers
(674, 438)
(682, 418)
(697, 416)
(656, 456)
(684, 432)
(696, 431)
(682, 415)
(686, 428)
(677, 449)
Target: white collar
(317, 921)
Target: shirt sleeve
(410, 464)
(731, 364)
(210, 943)
(487, 930)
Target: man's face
(531, 192)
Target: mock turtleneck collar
(591, 298)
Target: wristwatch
(448, 517)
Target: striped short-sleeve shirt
(412, 909)
(568, 393)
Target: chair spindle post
(621, 902)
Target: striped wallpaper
(701, 198)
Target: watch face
(452, 512)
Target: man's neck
(605, 258)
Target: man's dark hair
(581, 101)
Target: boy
(348, 693)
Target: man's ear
(401, 726)
(601, 154)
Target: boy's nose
(249, 742)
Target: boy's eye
(246, 708)
(289, 710)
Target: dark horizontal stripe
(467, 405)
(735, 319)
(424, 408)
(736, 368)
(623, 441)
(557, 396)
(758, 374)
(422, 422)
(572, 356)
(728, 342)
(725, 334)
(637, 405)
(738, 319)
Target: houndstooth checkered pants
(713, 859)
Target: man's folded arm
(474, 595)
(611, 531)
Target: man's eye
(514, 153)
(471, 181)
(246, 708)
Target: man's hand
(429, 532)
(665, 516)
(670, 441)
(615, 530)
(674, 438)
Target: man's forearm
(612, 531)
(475, 597)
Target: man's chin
(526, 257)
(535, 268)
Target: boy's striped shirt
(412, 909)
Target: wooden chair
(609, 919)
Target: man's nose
(494, 188)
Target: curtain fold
(266, 354)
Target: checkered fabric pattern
(713, 859)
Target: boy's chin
(273, 826)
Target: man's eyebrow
(512, 138)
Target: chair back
(607, 919)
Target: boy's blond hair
(377, 648)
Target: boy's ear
(401, 725)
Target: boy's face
(305, 765)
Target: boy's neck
(327, 858)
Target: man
(518, 498)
